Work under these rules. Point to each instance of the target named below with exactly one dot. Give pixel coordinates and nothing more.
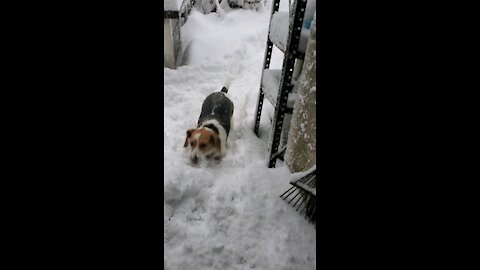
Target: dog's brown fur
(204, 141)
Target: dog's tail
(227, 83)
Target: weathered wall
(301, 147)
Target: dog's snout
(194, 159)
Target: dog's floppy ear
(189, 133)
(215, 140)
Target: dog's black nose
(195, 159)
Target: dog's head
(203, 143)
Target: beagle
(209, 139)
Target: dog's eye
(192, 144)
(202, 145)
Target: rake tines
(305, 189)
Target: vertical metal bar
(258, 111)
(266, 65)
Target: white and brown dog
(209, 139)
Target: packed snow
(227, 215)
(280, 27)
(271, 83)
(172, 5)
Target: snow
(246, 3)
(172, 5)
(271, 83)
(280, 27)
(298, 175)
(227, 215)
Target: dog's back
(219, 107)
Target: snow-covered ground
(227, 215)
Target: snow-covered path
(227, 215)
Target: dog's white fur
(222, 135)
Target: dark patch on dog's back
(217, 106)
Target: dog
(209, 139)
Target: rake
(304, 191)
